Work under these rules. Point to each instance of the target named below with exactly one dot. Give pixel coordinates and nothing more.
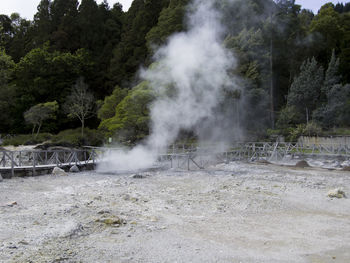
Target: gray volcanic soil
(230, 213)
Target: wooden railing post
(34, 163)
(3, 159)
(12, 164)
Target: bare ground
(229, 213)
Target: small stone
(114, 221)
(302, 164)
(336, 193)
(74, 169)
(137, 176)
(12, 247)
(154, 219)
(134, 199)
(23, 242)
(263, 161)
(59, 171)
(102, 212)
(98, 198)
(126, 197)
(12, 204)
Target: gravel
(233, 212)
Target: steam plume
(190, 78)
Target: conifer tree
(305, 89)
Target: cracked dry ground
(229, 213)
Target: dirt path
(230, 213)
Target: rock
(102, 212)
(302, 164)
(336, 193)
(113, 221)
(74, 169)
(138, 176)
(263, 161)
(154, 219)
(1, 179)
(346, 169)
(126, 197)
(59, 171)
(12, 204)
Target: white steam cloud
(190, 77)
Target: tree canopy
(293, 65)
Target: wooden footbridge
(38, 162)
(202, 157)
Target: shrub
(74, 138)
(296, 132)
(27, 139)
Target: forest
(72, 73)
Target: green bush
(74, 138)
(338, 131)
(296, 132)
(67, 138)
(312, 129)
(288, 116)
(27, 139)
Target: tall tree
(7, 92)
(326, 26)
(90, 25)
(132, 50)
(332, 76)
(80, 103)
(43, 23)
(171, 20)
(65, 36)
(305, 90)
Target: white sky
(314, 5)
(27, 8)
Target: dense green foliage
(66, 138)
(39, 113)
(110, 103)
(131, 119)
(294, 65)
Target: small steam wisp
(189, 77)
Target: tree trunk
(82, 127)
(272, 105)
(307, 116)
(37, 132)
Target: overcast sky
(27, 8)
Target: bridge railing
(178, 155)
(12, 160)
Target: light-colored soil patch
(229, 213)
